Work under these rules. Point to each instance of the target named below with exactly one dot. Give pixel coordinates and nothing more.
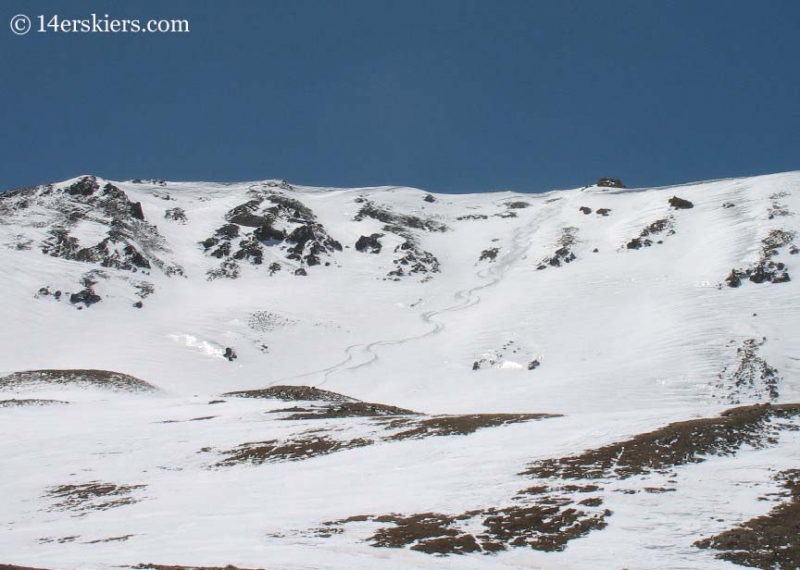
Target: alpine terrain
(267, 375)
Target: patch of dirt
(13, 403)
(345, 410)
(676, 444)
(769, 542)
(78, 378)
(457, 425)
(292, 394)
(546, 526)
(542, 527)
(92, 496)
(290, 450)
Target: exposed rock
(585, 210)
(86, 186)
(369, 244)
(749, 379)
(228, 269)
(250, 215)
(176, 214)
(383, 214)
(564, 253)
(659, 226)
(136, 211)
(415, 261)
(680, 203)
(489, 254)
(611, 183)
(733, 280)
(310, 241)
(130, 243)
(230, 354)
(429, 198)
(765, 270)
(267, 234)
(87, 296)
(517, 205)
(228, 231)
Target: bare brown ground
(345, 410)
(292, 450)
(676, 444)
(167, 567)
(457, 425)
(292, 394)
(30, 402)
(78, 378)
(92, 496)
(769, 542)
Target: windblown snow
(269, 375)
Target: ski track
(466, 298)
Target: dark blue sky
(450, 96)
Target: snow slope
(564, 315)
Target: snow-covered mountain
(279, 376)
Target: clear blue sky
(446, 95)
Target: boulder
(680, 203)
(370, 244)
